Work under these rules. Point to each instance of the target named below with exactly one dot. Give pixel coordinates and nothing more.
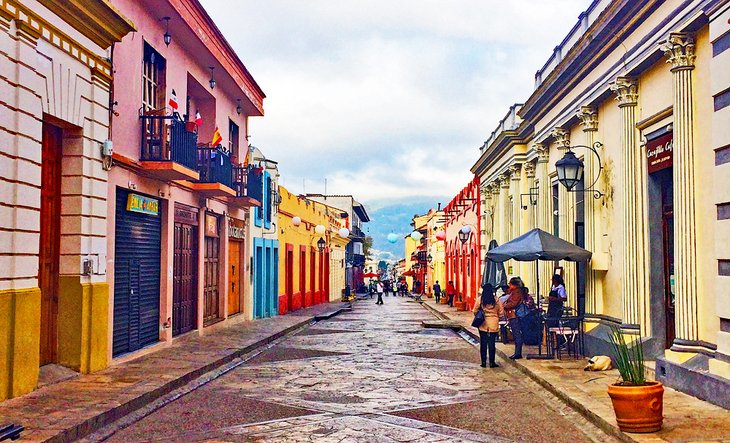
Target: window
(556, 209)
(233, 140)
(153, 79)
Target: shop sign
(186, 214)
(211, 225)
(659, 153)
(236, 230)
(142, 204)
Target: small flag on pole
(217, 139)
(173, 100)
(198, 119)
(245, 159)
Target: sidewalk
(71, 409)
(686, 418)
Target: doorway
(234, 267)
(185, 270)
(50, 240)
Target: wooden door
(210, 290)
(50, 240)
(289, 278)
(185, 281)
(234, 277)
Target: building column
(589, 119)
(505, 208)
(679, 48)
(528, 222)
(494, 211)
(635, 260)
(544, 210)
(515, 228)
(567, 221)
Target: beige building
(645, 84)
(55, 81)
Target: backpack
(522, 310)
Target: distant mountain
(395, 215)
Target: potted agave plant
(637, 403)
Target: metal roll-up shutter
(136, 278)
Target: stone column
(496, 226)
(504, 213)
(544, 209)
(528, 222)
(635, 260)
(514, 212)
(589, 119)
(567, 220)
(680, 49)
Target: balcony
(243, 198)
(216, 173)
(168, 149)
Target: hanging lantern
(392, 238)
(464, 233)
(320, 229)
(416, 236)
(569, 170)
(441, 235)
(296, 220)
(344, 232)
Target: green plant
(629, 358)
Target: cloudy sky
(387, 99)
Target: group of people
(450, 292)
(379, 288)
(516, 297)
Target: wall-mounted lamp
(570, 170)
(238, 107)
(166, 36)
(321, 244)
(464, 233)
(533, 194)
(211, 82)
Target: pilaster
(679, 48)
(544, 211)
(567, 220)
(635, 260)
(504, 210)
(527, 218)
(588, 117)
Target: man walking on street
(437, 291)
(379, 289)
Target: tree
(367, 246)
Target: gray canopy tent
(537, 245)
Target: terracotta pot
(638, 408)
(444, 299)
(460, 305)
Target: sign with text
(211, 225)
(659, 153)
(236, 229)
(142, 204)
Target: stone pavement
(686, 418)
(368, 375)
(71, 409)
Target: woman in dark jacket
(514, 299)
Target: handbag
(522, 310)
(479, 318)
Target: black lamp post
(570, 170)
(166, 37)
(321, 244)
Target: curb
(598, 421)
(108, 417)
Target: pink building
(178, 197)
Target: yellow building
(645, 84)
(56, 81)
(312, 257)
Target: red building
(463, 243)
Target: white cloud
(383, 98)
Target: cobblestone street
(370, 374)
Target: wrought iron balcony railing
(214, 166)
(166, 138)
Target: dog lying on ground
(598, 363)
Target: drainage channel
(110, 429)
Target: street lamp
(464, 233)
(167, 37)
(570, 170)
(211, 82)
(429, 258)
(321, 244)
(533, 195)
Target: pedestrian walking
(489, 329)
(514, 300)
(396, 288)
(437, 291)
(450, 292)
(417, 287)
(379, 290)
